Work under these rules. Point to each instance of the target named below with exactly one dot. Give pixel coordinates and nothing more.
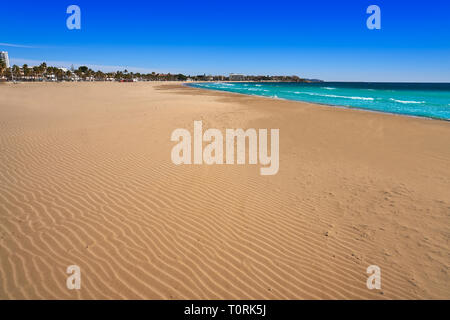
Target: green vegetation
(84, 73)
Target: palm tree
(59, 74)
(99, 75)
(26, 70)
(79, 73)
(118, 75)
(16, 71)
(2, 67)
(90, 73)
(43, 68)
(50, 72)
(36, 71)
(8, 73)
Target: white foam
(404, 101)
(334, 96)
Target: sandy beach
(86, 179)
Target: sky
(319, 39)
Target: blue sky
(315, 39)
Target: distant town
(44, 72)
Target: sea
(431, 100)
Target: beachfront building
(236, 77)
(51, 77)
(74, 77)
(4, 57)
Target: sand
(86, 179)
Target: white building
(4, 57)
(236, 77)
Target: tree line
(43, 72)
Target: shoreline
(187, 84)
(87, 179)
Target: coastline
(87, 179)
(192, 85)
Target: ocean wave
(328, 88)
(334, 96)
(404, 101)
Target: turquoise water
(415, 99)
